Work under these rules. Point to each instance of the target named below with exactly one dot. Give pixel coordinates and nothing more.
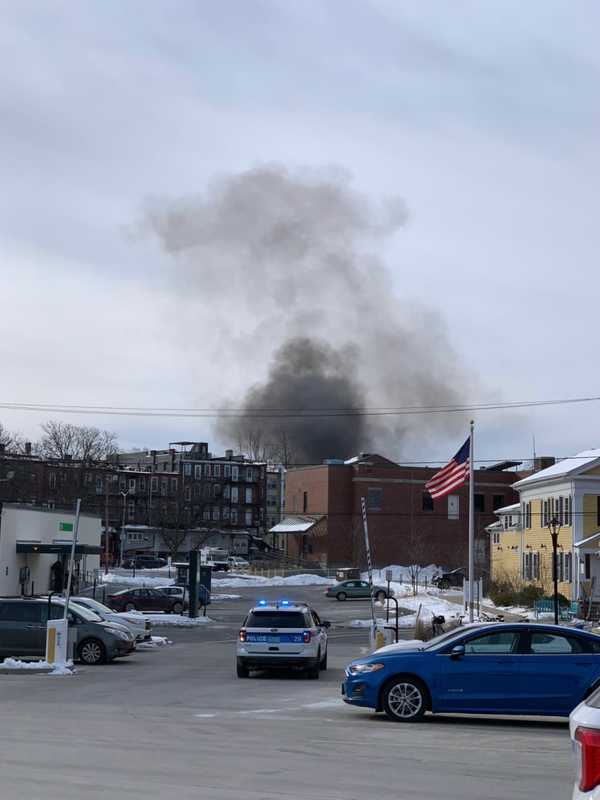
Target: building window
(122, 484)
(132, 485)
(227, 470)
(498, 501)
(216, 470)
(479, 502)
(426, 502)
(234, 472)
(374, 498)
(248, 518)
(217, 490)
(208, 470)
(234, 516)
(188, 493)
(234, 494)
(87, 478)
(225, 512)
(249, 474)
(131, 510)
(187, 470)
(52, 481)
(173, 485)
(453, 506)
(568, 510)
(528, 514)
(198, 471)
(142, 484)
(226, 491)
(206, 513)
(496, 537)
(164, 487)
(215, 513)
(197, 489)
(99, 485)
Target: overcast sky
(483, 116)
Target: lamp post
(554, 528)
(124, 496)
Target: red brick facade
(402, 527)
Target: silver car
(140, 627)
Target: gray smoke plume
(279, 283)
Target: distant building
(405, 525)
(275, 503)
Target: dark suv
(23, 630)
(146, 600)
(144, 562)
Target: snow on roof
(568, 466)
(294, 525)
(508, 509)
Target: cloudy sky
(483, 116)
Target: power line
(297, 413)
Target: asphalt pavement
(175, 722)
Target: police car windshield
(276, 619)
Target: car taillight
(242, 636)
(306, 637)
(588, 745)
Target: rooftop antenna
(533, 439)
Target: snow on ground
(175, 620)
(55, 669)
(277, 580)
(216, 597)
(155, 641)
(401, 574)
(139, 580)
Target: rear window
(21, 612)
(594, 699)
(277, 619)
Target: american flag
(453, 475)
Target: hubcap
(91, 652)
(405, 700)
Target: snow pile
(139, 580)
(401, 574)
(155, 641)
(55, 669)
(277, 580)
(365, 623)
(431, 606)
(175, 620)
(216, 597)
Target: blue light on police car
(262, 602)
(284, 603)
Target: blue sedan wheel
(404, 700)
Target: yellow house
(568, 491)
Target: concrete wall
(36, 525)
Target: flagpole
(471, 525)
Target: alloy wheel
(405, 700)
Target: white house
(35, 547)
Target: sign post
(388, 578)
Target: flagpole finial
(472, 423)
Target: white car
(235, 562)
(584, 726)
(283, 634)
(141, 628)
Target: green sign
(65, 527)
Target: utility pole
(124, 495)
(106, 526)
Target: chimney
(229, 454)
(27, 448)
(543, 462)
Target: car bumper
(359, 692)
(122, 649)
(275, 662)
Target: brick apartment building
(405, 525)
(188, 487)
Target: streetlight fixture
(554, 528)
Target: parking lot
(176, 722)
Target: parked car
(183, 593)
(146, 600)
(23, 630)
(584, 726)
(351, 590)
(497, 669)
(140, 628)
(449, 580)
(144, 562)
(235, 562)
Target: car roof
(281, 605)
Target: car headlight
(361, 669)
(121, 634)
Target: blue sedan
(491, 669)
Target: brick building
(168, 489)
(405, 524)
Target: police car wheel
(314, 672)
(242, 670)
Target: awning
(594, 537)
(59, 548)
(295, 524)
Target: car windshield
(93, 605)
(85, 613)
(276, 619)
(443, 637)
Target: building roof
(574, 465)
(508, 509)
(295, 524)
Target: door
(557, 671)
(486, 679)
(22, 631)
(360, 589)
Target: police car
(282, 634)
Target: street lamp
(124, 496)
(554, 528)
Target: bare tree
(12, 441)
(80, 442)
(416, 550)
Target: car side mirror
(325, 623)
(457, 651)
